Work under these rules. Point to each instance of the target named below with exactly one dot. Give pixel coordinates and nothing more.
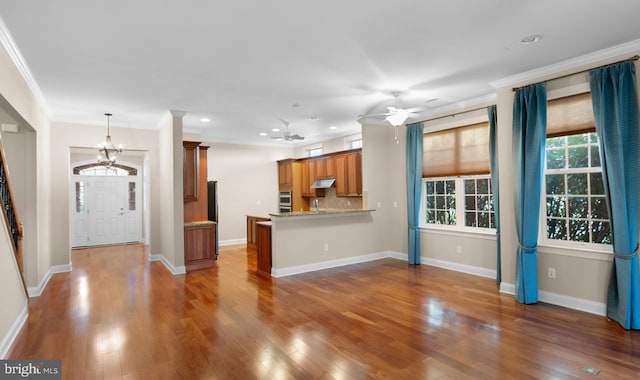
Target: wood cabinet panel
(191, 170)
(349, 174)
(263, 253)
(308, 174)
(285, 175)
(329, 167)
(196, 210)
(199, 246)
(320, 172)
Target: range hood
(323, 183)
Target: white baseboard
(476, 271)
(176, 271)
(15, 328)
(290, 271)
(37, 290)
(569, 302)
(232, 242)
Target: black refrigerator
(212, 206)
(212, 201)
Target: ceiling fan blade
(375, 114)
(416, 109)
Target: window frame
(460, 194)
(543, 240)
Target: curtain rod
(634, 58)
(453, 114)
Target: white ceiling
(244, 64)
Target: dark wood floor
(117, 315)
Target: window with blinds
(575, 209)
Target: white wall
(247, 178)
(17, 99)
(68, 137)
(581, 276)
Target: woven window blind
(570, 115)
(457, 151)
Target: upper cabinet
(285, 175)
(298, 175)
(191, 170)
(349, 174)
(329, 164)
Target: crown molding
(594, 58)
(18, 60)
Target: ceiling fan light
(398, 117)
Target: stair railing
(11, 215)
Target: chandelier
(108, 151)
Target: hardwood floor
(117, 315)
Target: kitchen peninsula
(312, 240)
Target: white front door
(106, 210)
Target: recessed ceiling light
(263, 134)
(313, 118)
(205, 120)
(295, 105)
(333, 127)
(532, 39)
(275, 130)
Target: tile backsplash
(331, 201)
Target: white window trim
(458, 228)
(566, 247)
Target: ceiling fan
(286, 135)
(396, 115)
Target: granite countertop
(321, 212)
(198, 223)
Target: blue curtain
(493, 142)
(615, 107)
(529, 133)
(414, 187)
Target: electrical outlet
(326, 247)
(379, 204)
(551, 272)
(459, 249)
(258, 202)
(348, 202)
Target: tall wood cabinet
(290, 178)
(200, 234)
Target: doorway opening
(106, 205)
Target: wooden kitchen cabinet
(329, 167)
(308, 174)
(285, 175)
(252, 231)
(191, 170)
(349, 174)
(320, 172)
(199, 245)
